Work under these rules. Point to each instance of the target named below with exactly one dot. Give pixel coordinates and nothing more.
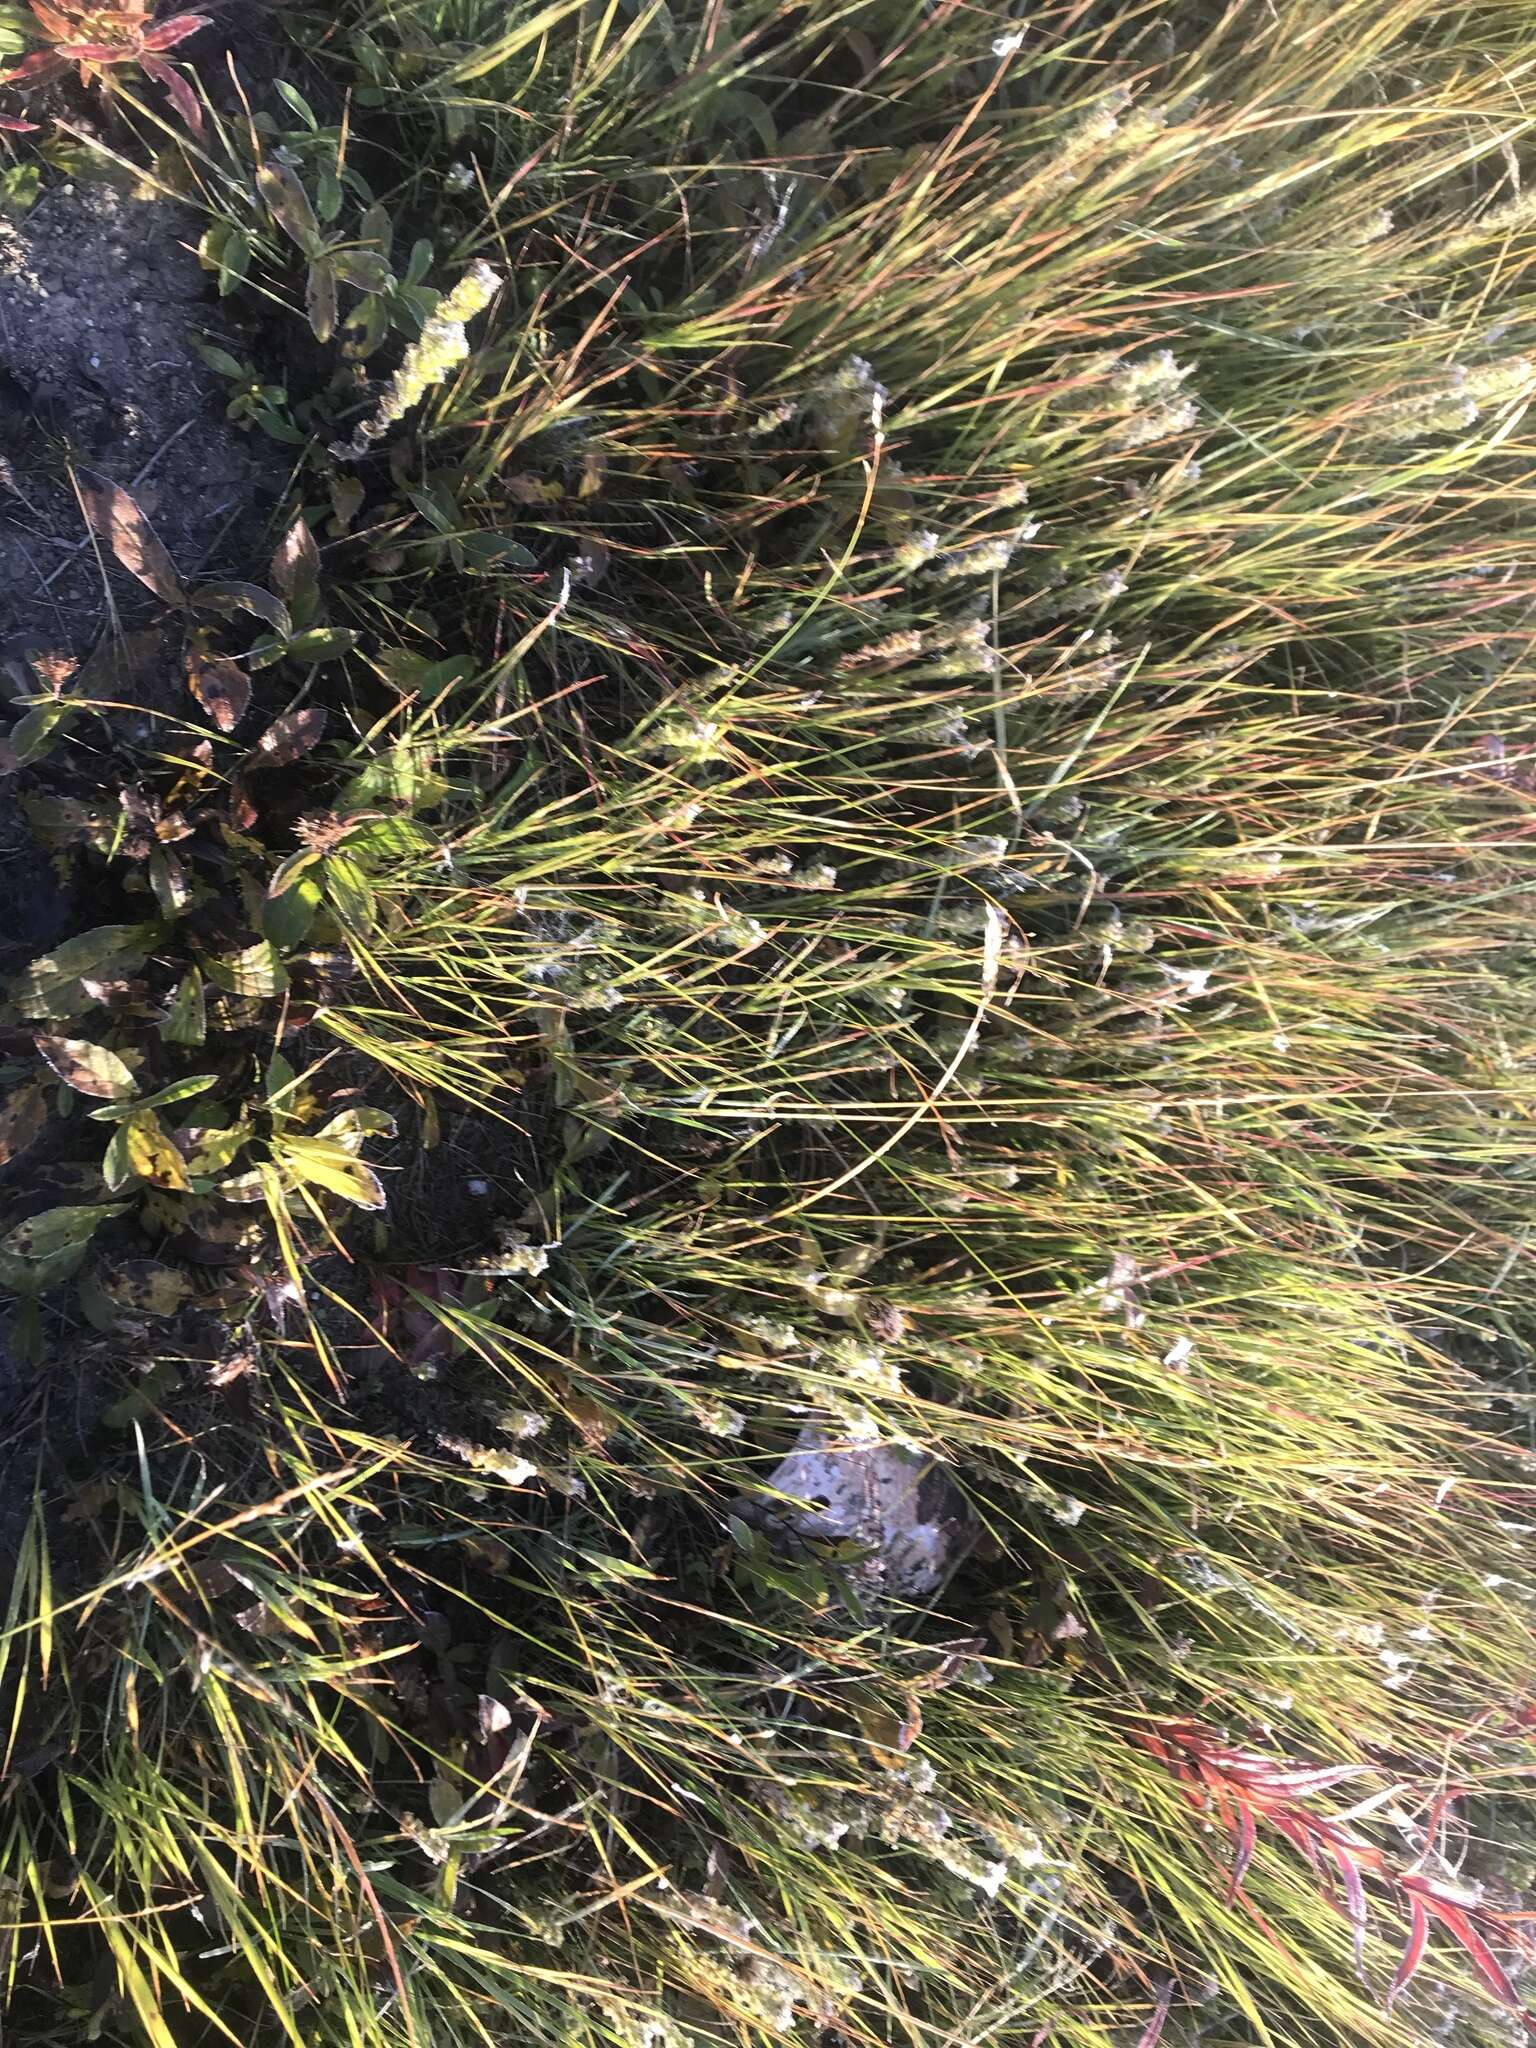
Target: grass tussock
(925, 797)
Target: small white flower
(1009, 45)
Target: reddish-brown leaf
(183, 98)
(165, 35)
(38, 68)
(1458, 1925)
(221, 686)
(289, 739)
(1247, 1841)
(296, 564)
(118, 521)
(1413, 1954)
(54, 24)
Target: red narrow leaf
(1159, 2019)
(1247, 1841)
(183, 98)
(1477, 1952)
(1413, 1954)
(94, 53)
(165, 35)
(14, 127)
(42, 64)
(1354, 1894)
(57, 25)
(1297, 1835)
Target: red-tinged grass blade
(1354, 1896)
(1413, 1954)
(165, 35)
(183, 98)
(1154, 2027)
(1247, 1842)
(14, 127)
(95, 53)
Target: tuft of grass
(930, 717)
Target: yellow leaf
(325, 1164)
(152, 1155)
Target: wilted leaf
(146, 1287)
(168, 882)
(60, 821)
(331, 1166)
(209, 1150)
(118, 522)
(296, 566)
(220, 685)
(288, 739)
(151, 1155)
(347, 496)
(352, 1126)
(288, 203)
(226, 599)
(57, 1231)
(320, 298)
(22, 1118)
(54, 980)
(88, 1069)
(186, 1022)
(364, 269)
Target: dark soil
(101, 302)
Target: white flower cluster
(443, 344)
(1458, 401)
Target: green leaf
(350, 892)
(88, 1069)
(186, 1022)
(41, 987)
(255, 971)
(401, 775)
(320, 297)
(234, 261)
(55, 1231)
(495, 551)
(320, 643)
(178, 1091)
(35, 732)
(286, 919)
(299, 104)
